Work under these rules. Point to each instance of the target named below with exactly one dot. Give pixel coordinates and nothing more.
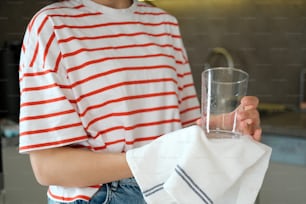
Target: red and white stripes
(95, 78)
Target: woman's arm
(71, 167)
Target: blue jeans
(125, 191)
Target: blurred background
(266, 38)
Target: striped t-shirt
(103, 79)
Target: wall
(265, 37)
(14, 17)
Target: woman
(98, 78)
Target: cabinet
(285, 180)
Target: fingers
(257, 134)
(249, 102)
(199, 122)
(248, 110)
(249, 118)
(248, 127)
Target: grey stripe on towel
(153, 190)
(195, 188)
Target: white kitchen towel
(185, 167)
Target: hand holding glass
(222, 90)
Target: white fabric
(185, 167)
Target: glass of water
(222, 90)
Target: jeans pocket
(101, 196)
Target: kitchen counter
(291, 123)
(285, 132)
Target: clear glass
(222, 90)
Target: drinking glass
(222, 90)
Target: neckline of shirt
(108, 10)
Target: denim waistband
(113, 186)
(123, 182)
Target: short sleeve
(48, 116)
(188, 101)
